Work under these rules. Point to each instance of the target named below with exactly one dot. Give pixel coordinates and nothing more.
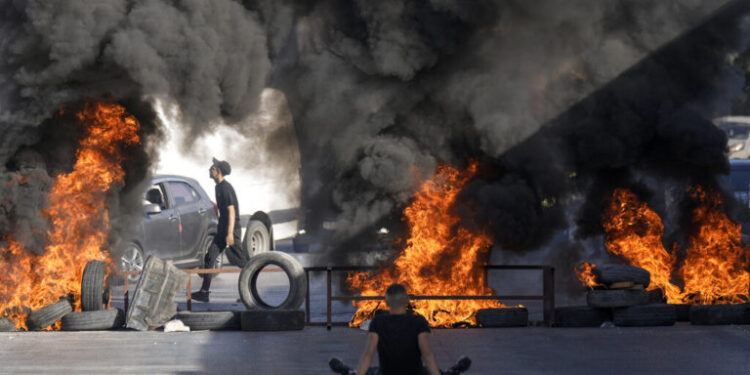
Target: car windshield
(735, 131)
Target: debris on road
(153, 301)
(176, 325)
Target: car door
(188, 205)
(161, 230)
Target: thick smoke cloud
(446, 81)
(209, 58)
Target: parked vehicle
(179, 224)
(737, 129)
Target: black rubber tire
(581, 316)
(94, 291)
(218, 262)
(272, 320)
(48, 315)
(93, 320)
(294, 271)
(258, 229)
(210, 320)
(656, 296)
(508, 317)
(616, 298)
(645, 315)
(615, 273)
(720, 314)
(6, 325)
(683, 312)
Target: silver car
(179, 224)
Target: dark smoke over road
(208, 58)
(555, 99)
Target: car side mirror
(151, 209)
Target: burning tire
(249, 277)
(47, 316)
(616, 273)
(720, 314)
(93, 320)
(6, 325)
(581, 316)
(257, 238)
(683, 312)
(616, 298)
(645, 316)
(94, 289)
(210, 320)
(272, 320)
(508, 317)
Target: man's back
(398, 346)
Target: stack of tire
(261, 316)
(622, 299)
(95, 314)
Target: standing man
(228, 231)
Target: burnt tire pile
(94, 303)
(622, 300)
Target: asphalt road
(682, 349)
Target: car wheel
(257, 239)
(132, 260)
(218, 262)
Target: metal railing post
(328, 298)
(307, 298)
(548, 282)
(125, 288)
(189, 295)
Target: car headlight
(736, 147)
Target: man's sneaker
(339, 367)
(199, 296)
(462, 365)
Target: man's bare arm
(427, 356)
(369, 354)
(230, 228)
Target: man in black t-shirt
(402, 342)
(228, 231)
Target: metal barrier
(548, 290)
(547, 297)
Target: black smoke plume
(208, 58)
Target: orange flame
(715, 268)
(634, 232)
(585, 274)
(78, 218)
(441, 257)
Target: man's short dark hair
(223, 166)
(396, 295)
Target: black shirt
(398, 346)
(226, 197)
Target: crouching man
(402, 340)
